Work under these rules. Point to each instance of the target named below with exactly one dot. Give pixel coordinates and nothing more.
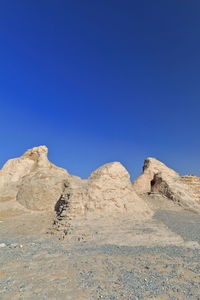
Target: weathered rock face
(37, 184)
(151, 167)
(10, 176)
(193, 183)
(107, 189)
(158, 178)
(41, 189)
(14, 170)
(110, 189)
(32, 180)
(70, 205)
(175, 190)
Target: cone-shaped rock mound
(110, 188)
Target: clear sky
(101, 81)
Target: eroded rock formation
(15, 169)
(151, 167)
(108, 191)
(110, 188)
(41, 189)
(32, 182)
(193, 182)
(158, 178)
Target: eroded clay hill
(32, 183)
(158, 178)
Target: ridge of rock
(32, 182)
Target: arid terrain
(102, 238)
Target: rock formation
(15, 169)
(193, 182)
(158, 178)
(110, 189)
(32, 180)
(151, 167)
(37, 184)
(41, 189)
(70, 205)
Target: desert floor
(103, 257)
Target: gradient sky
(101, 81)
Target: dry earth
(103, 257)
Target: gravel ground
(186, 224)
(45, 268)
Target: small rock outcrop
(158, 178)
(32, 180)
(15, 169)
(175, 190)
(151, 167)
(110, 189)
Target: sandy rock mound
(15, 169)
(32, 180)
(151, 167)
(41, 189)
(110, 189)
(107, 191)
(175, 190)
(158, 178)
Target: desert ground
(102, 257)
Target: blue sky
(101, 81)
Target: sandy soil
(103, 257)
